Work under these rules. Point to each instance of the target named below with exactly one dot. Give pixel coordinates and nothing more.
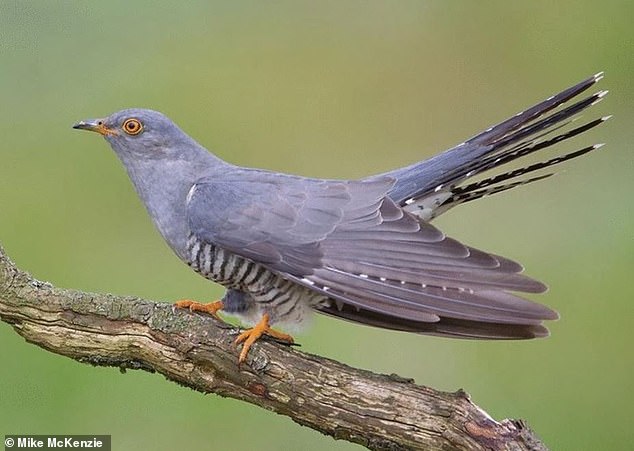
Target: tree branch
(381, 412)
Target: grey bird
(362, 250)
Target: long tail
(431, 187)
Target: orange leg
(193, 306)
(250, 336)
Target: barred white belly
(285, 301)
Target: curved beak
(94, 125)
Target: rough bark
(381, 412)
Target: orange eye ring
(132, 126)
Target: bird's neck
(163, 187)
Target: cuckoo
(361, 250)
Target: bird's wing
(276, 220)
(350, 242)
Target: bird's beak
(95, 125)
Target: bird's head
(139, 133)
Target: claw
(193, 306)
(250, 336)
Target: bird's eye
(132, 126)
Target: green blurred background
(325, 89)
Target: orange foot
(193, 306)
(250, 336)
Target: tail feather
(504, 156)
(530, 114)
(491, 185)
(431, 187)
(529, 147)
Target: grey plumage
(362, 250)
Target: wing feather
(348, 241)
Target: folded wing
(379, 264)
